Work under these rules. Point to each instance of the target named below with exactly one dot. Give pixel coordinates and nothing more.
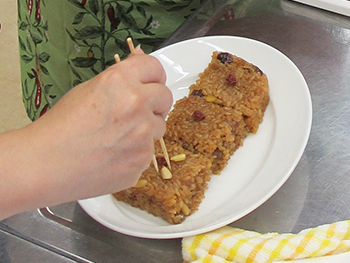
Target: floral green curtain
(65, 42)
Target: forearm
(35, 172)
(17, 173)
(38, 168)
(31, 174)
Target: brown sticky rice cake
(206, 128)
(227, 102)
(172, 199)
(233, 82)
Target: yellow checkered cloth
(230, 244)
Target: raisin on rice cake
(233, 82)
(206, 128)
(171, 197)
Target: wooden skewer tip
(131, 46)
(116, 58)
(155, 163)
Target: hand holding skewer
(161, 140)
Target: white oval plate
(256, 170)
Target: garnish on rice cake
(175, 195)
(233, 82)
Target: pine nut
(210, 98)
(166, 174)
(178, 158)
(185, 210)
(141, 183)
(177, 219)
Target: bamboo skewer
(131, 46)
(165, 152)
(116, 58)
(161, 140)
(155, 163)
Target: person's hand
(99, 137)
